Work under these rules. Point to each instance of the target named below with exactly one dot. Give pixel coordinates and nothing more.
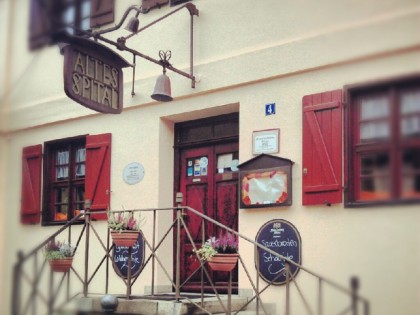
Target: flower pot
(223, 262)
(125, 238)
(61, 265)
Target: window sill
(382, 203)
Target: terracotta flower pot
(223, 262)
(61, 265)
(125, 238)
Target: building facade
(335, 84)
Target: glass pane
(79, 197)
(410, 113)
(375, 181)
(62, 161)
(410, 102)
(375, 130)
(410, 126)
(374, 107)
(411, 173)
(197, 166)
(227, 162)
(80, 162)
(61, 203)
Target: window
(64, 181)
(49, 17)
(383, 143)
(75, 169)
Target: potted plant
(125, 228)
(220, 253)
(59, 255)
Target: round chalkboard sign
(283, 238)
(120, 258)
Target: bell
(133, 24)
(162, 91)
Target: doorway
(207, 176)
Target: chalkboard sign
(120, 258)
(281, 237)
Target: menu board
(283, 238)
(120, 258)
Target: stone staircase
(163, 304)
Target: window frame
(48, 185)
(352, 94)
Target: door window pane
(227, 162)
(198, 166)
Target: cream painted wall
(246, 55)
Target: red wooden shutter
(322, 148)
(30, 210)
(98, 173)
(101, 12)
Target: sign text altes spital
(93, 75)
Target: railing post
(87, 225)
(366, 308)
(287, 271)
(130, 250)
(154, 253)
(229, 306)
(354, 285)
(179, 199)
(16, 299)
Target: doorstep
(163, 304)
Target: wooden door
(209, 183)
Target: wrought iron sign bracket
(120, 44)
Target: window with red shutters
(101, 12)
(30, 210)
(64, 179)
(49, 17)
(322, 148)
(383, 143)
(75, 169)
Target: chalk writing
(120, 258)
(281, 237)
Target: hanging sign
(93, 75)
(281, 237)
(120, 258)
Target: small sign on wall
(270, 109)
(265, 141)
(133, 173)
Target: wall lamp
(162, 91)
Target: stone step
(164, 304)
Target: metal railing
(30, 272)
